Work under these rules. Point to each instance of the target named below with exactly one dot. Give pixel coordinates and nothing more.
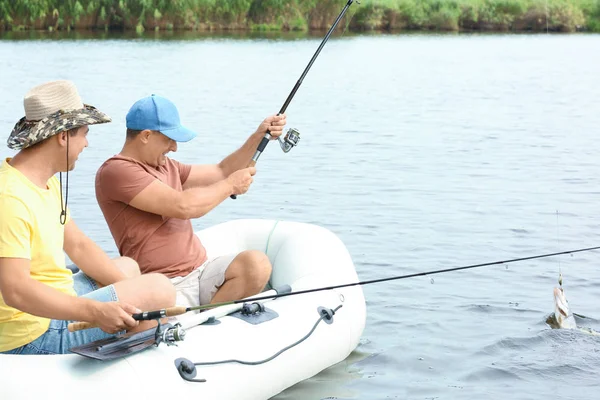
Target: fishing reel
(291, 139)
(170, 335)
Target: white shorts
(200, 286)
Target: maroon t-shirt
(159, 244)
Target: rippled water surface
(421, 152)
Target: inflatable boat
(249, 350)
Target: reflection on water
(155, 35)
(331, 383)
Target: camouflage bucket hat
(52, 108)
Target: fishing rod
(293, 136)
(179, 310)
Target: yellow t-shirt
(30, 228)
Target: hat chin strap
(63, 208)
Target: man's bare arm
(161, 199)
(205, 175)
(22, 292)
(89, 257)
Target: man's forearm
(38, 299)
(95, 263)
(196, 202)
(242, 156)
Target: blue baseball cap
(158, 114)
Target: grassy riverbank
(302, 15)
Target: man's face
(160, 145)
(77, 143)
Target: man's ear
(145, 135)
(61, 137)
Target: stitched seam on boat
(269, 238)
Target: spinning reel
(169, 334)
(291, 139)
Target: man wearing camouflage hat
(39, 295)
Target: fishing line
(348, 20)
(558, 246)
(547, 17)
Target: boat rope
(187, 369)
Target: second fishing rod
(293, 136)
(286, 290)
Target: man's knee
(258, 267)
(147, 292)
(128, 265)
(163, 290)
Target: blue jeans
(58, 339)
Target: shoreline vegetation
(300, 15)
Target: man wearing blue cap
(148, 200)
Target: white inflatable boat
(294, 338)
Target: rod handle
(175, 311)
(158, 314)
(79, 326)
(167, 312)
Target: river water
(421, 152)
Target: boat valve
(187, 370)
(291, 139)
(327, 313)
